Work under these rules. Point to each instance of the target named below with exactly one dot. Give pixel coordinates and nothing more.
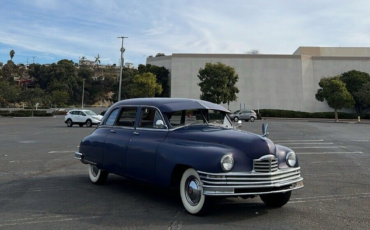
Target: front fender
(198, 155)
(281, 152)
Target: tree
(363, 95)
(9, 93)
(12, 53)
(217, 83)
(59, 98)
(160, 55)
(354, 80)
(334, 91)
(145, 85)
(162, 76)
(33, 96)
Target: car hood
(255, 146)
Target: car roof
(172, 104)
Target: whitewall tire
(191, 192)
(97, 176)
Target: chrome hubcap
(94, 170)
(193, 190)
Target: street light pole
(120, 72)
(83, 93)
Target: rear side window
(112, 117)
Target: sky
(46, 31)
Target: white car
(82, 117)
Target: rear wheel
(276, 200)
(69, 123)
(191, 193)
(88, 123)
(97, 176)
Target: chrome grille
(265, 164)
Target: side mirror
(240, 124)
(264, 130)
(159, 124)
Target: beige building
(267, 81)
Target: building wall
(287, 82)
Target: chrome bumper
(250, 183)
(80, 156)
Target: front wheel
(97, 176)
(88, 123)
(191, 193)
(252, 119)
(276, 200)
(236, 119)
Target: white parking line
(328, 198)
(318, 147)
(20, 222)
(329, 153)
(61, 152)
(286, 141)
(310, 143)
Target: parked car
(191, 145)
(243, 114)
(82, 117)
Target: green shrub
(28, 113)
(60, 113)
(4, 112)
(298, 114)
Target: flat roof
(172, 104)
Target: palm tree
(12, 53)
(97, 60)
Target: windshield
(198, 117)
(89, 112)
(237, 111)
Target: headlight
(227, 162)
(291, 159)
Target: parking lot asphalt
(43, 187)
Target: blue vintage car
(191, 145)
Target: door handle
(136, 133)
(113, 131)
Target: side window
(112, 117)
(151, 119)
(127, 117)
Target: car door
(142, 150)
(75, 116)
(82, 117)
(122, 123)
(243, 115)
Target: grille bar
(268, 163)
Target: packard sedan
(191, 145)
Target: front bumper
(250, 183)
